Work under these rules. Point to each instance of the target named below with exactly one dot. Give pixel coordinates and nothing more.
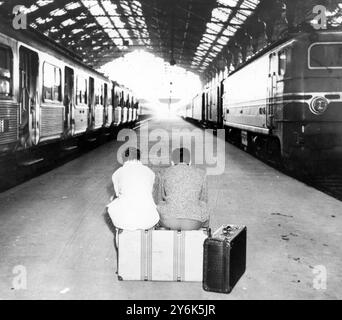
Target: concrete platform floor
(54, 226)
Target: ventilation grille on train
(51, 119)
(8, 122)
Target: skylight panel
(217, 48)
(90, 25)
(67, 22)
(236, 21)
(214, 27)
(72, 5)
(222, 40)
(117, 22)
(210, 36)
(213, 44)
(53, 30)
(104, 22)
(58, 12)
(42, 21)
(109, 6)
(112, 33)
(31, 9)
(75, 31)
(228, 3)
(133, 10)
(42, 3)
(219, 15)
(81, 17)
(251, 3)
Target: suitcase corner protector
(120, 278)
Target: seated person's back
(134, 207)
(183, 190)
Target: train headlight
(319, 105)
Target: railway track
(326, 178)
(330, 184)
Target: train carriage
(293, 103)
(10, 118)
(48, 95)
(286, 101)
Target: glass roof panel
(72, 5)
(58, 12)
(213, 44)
(68, 22)
(43, 3)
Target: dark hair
(181, 155)
(132, 154)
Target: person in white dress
(134, 207)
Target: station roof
(189, 33)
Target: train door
(91, 111)
(68, 98)
(272, 89)
(206, 106)
(28, 90)
(105, 104)
(203, 106)
(220, 105)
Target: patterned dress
(182, 193)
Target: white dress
(134, 207)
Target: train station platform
(54, 228)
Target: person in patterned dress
(183, 194)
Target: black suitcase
(224, 259)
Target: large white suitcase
(161, 255)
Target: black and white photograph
(170, 150)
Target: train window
(5, 71)
(282, 58)
(325, 55)
(81, 91)
(52, 83)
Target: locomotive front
(314, 117)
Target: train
(48, 95)
(284, 103)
